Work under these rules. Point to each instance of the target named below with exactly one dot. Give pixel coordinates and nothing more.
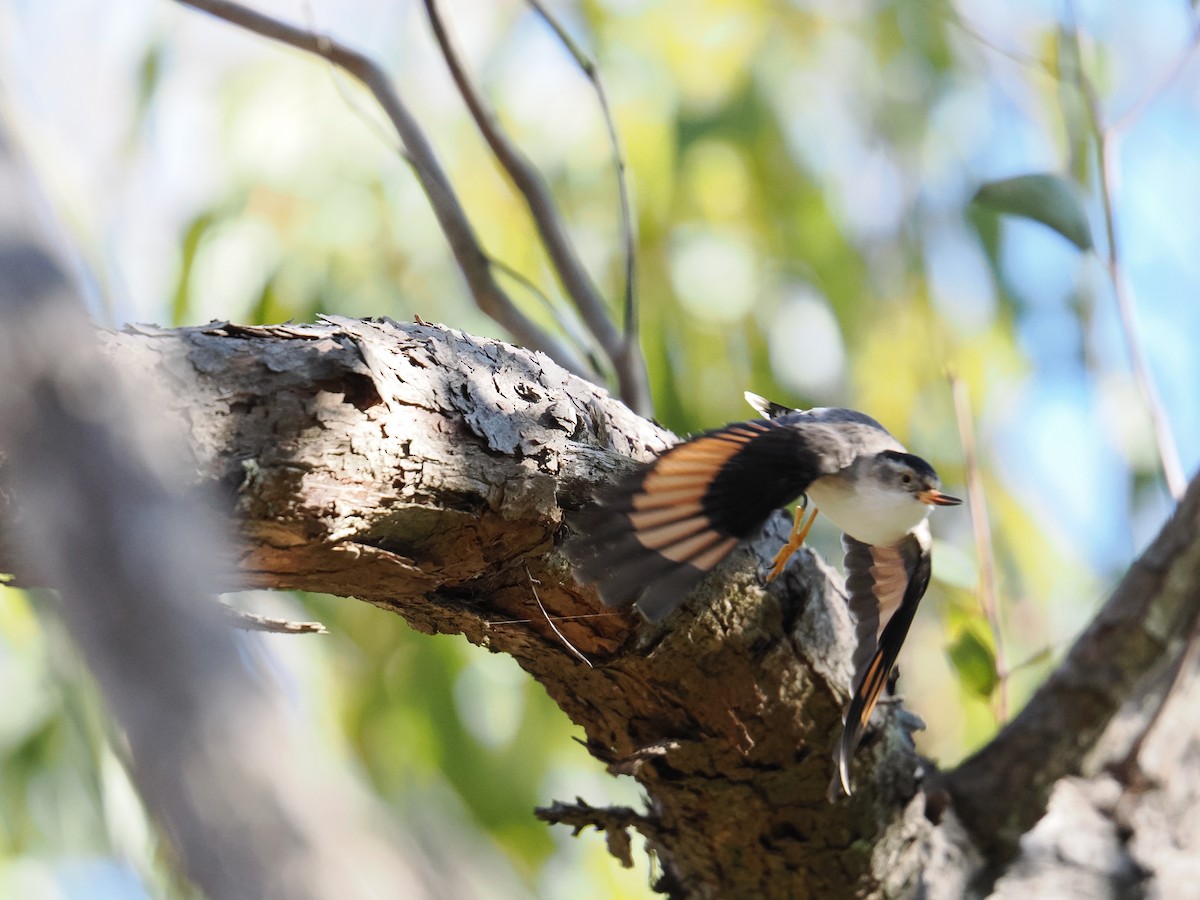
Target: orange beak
(935, 497)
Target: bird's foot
(795, 541)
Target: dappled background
(802, 175)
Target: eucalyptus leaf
(974, 662)
(1042, 197)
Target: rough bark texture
(428, 472)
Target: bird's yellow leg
(795, 541)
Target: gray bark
(428, 472)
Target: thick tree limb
(1142, 628)
(423, 470)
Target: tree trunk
(429, 472)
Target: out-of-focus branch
(578, 284)
(248, 811)
(460, 235)
(591, 71)
(1167, 77)
(1002, 790)
(983, 539)
(1106, 138)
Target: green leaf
(181, 303)
(1045, 198)
(149, 76)
(974, 662)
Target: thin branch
(569, 325)
(248, 621)
(591, 71)
(1106, 158)
(1167, 77)
(614, 821)
(392, 143)
(372, 124)
(1027, 60)
(983, 539)
(533, 582)
(549, 222)
(460, 235)
(1163, 436)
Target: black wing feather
(654, 534)
(873, 606)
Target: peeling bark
(430, 472)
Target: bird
(656, 531)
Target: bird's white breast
(866, 511)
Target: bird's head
(908, 474)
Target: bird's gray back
(841, 436)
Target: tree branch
(1105, 139)
(629, 368)
(1002, 790)
(472, 261)
(422, 470)
(982, 531)
(628, 238)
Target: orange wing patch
(668, 513)
(872, 686)
(662, 513)
(890, 574)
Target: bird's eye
(906, 479)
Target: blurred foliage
(803, 175)
(1048, 199)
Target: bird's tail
(858, 713)
(768, 408)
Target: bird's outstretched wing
(885, 585)
(653, 535)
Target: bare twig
(983, 539)
(460, 235)
(1106, 158)
(614, 821)
(968, 28)
(591, 71)
(574, 277)
(1161, 84)
(389, 139)
(549, 621)
(603, 615)
(569, 325)
(249, 621)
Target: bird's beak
(934, 497)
